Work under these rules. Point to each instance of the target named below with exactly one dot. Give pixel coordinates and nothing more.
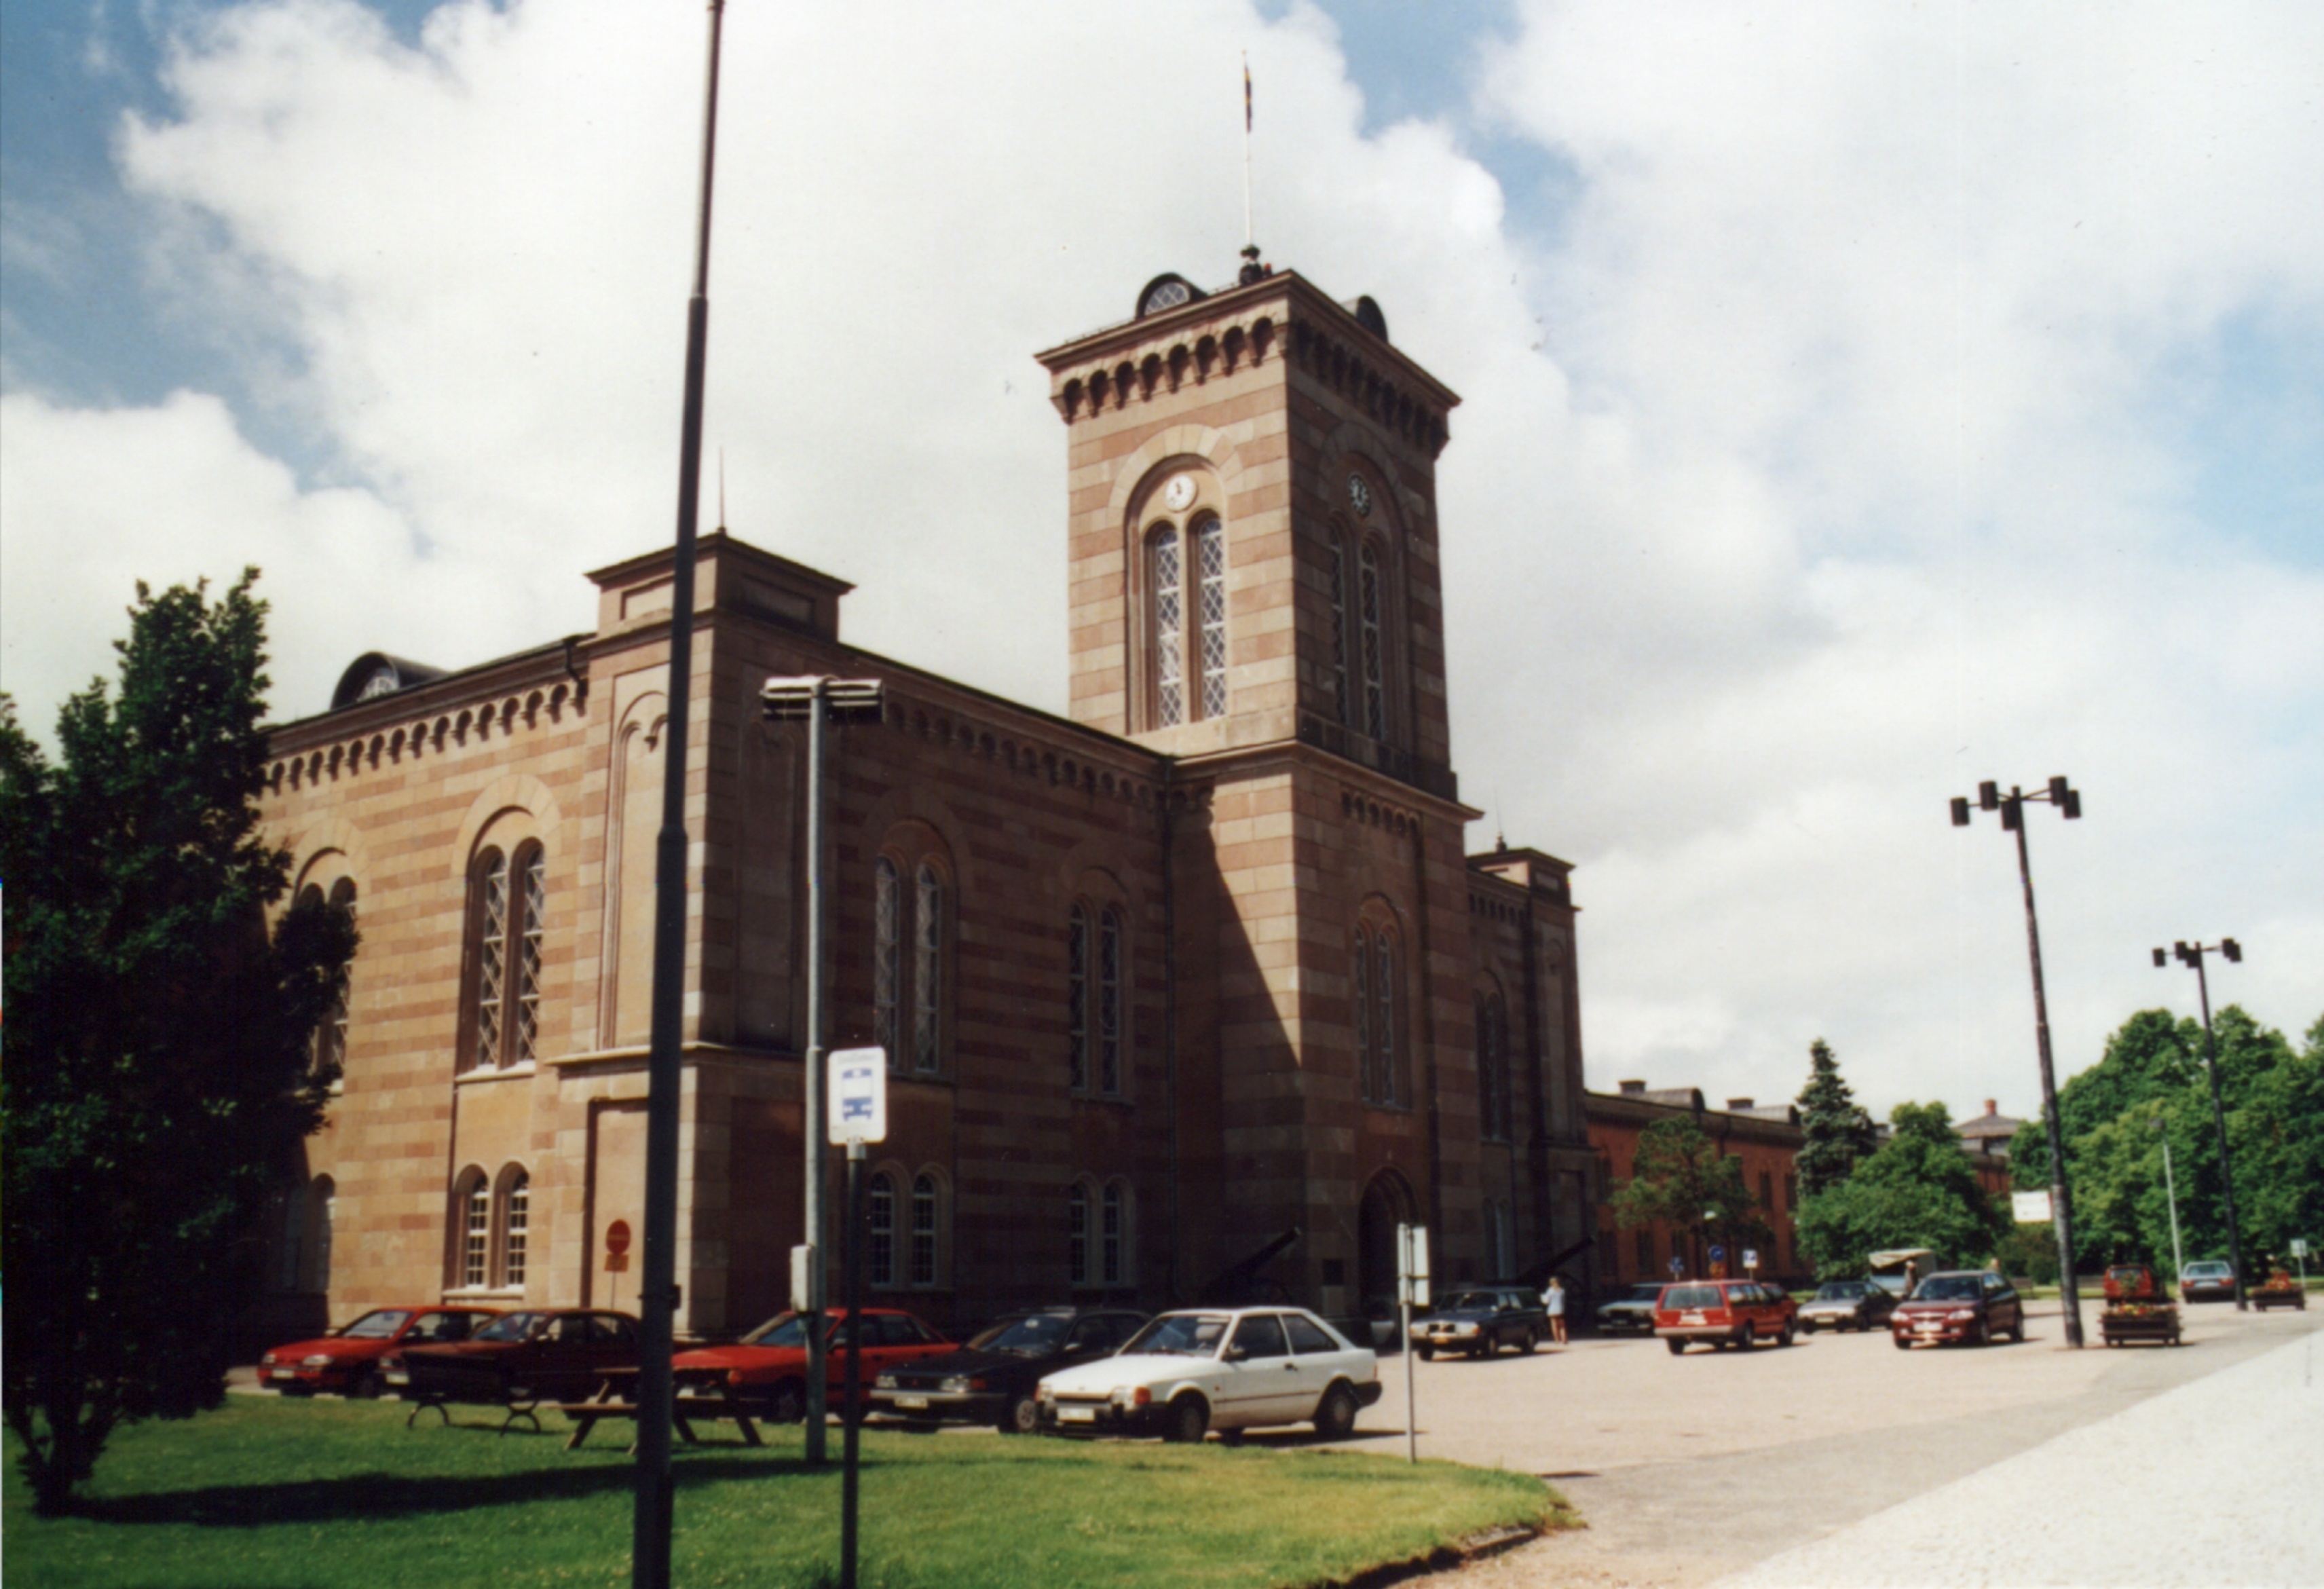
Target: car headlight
(320, 1360)
(886, 1382)
(267, 1361)
(1466, 1329)
(1041, 1392)
(733, 1376)
(1960, 1314)
(954, 1384)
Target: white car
(1228, 1368)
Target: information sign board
(859, 1096)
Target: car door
(1320, 1360)
(2003, 1311)
(1259, 1379)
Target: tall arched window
(887, 963)
(924, 1230)
(928, 973)
(516, 1219)
(507, 919)
(476, 1234)
(1493, 1111)
(1167, 568)
(1369, 602)
(1077, 989)
(1109, 1002)
(1188, 624)
(1113, 1235)
(1378, 1052)
(1078, 1235)
(1210, 570)
(1343, 703)
(879, 1240)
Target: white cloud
(1835, 487)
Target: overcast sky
(1861, 401)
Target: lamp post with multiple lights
(2012, 807)
(820, 702)
(2171, 1193)
(2188, 954)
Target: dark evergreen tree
(156, 1066)
(1839, 1134)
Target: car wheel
(2017, 1330)
(1675, 1345)
(365, 1387)
(1747, 1337)
(1335, 1415)
(1532, 1343)
(1786, 1338)
(1022, 1416)
(1984, 1337)
(1427, 1353)
(1807, 1326)
(786, 1403)
(1188, 1422)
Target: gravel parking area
(1689, 1469)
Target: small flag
(1246, 93)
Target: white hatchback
(1228, 1368)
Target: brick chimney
(1634, 1089)
(1738, 1102)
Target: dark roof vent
(375, 674)
(1369, 316)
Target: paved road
(1689, 1469)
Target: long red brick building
(1204, 962)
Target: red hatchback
(1724, 1313)
(1970, 1306)
(769, 1365)
(348, 1360)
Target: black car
(1481, 1321)
(991, 1379)
(1630, 1315)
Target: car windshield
(1947, 1287)
(1691, 1297)
(1840, 1292)
(1180, 1334)
(377, 1325)
(509, 1327)
(1470, 1302)
(1037, 1335)
(1645, 1293)
(784, 1329)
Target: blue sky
(1861, 401)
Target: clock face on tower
(1179, 493)
(1359, 495)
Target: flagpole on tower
(1249, 237)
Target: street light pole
(2193, 955)
(820, 701)
(2171, 1193)
(2068, 802)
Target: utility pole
(2068, 802)
(2171, 1193)
(657, 1293)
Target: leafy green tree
(1840, 1133)
(1680, 1179)
(156, 1062)
(2153, 1071)
(1918, 1190)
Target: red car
(542, 1354)
(1967, 1305)
(1724, 1313)
(769, 1365)
(348, 1360)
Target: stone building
(1201, 963)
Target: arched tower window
(1114, 1234)
(927, 972)
(1342, 702)
(924, 1230)
(1372, 995)
(516, 1220)
(1077, 990)
(1369, 603)
(476, 1231)
(1109, 1002)
(1187, 622)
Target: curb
(1460, 1553)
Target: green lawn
(263, 1494)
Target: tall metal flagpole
(658, 1295)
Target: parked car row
(1067, 1371)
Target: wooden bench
(684, 1411)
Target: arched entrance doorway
(1387, 1204)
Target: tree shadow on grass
(356, 1496)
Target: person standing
(1552, 1303)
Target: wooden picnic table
(616, 1398)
